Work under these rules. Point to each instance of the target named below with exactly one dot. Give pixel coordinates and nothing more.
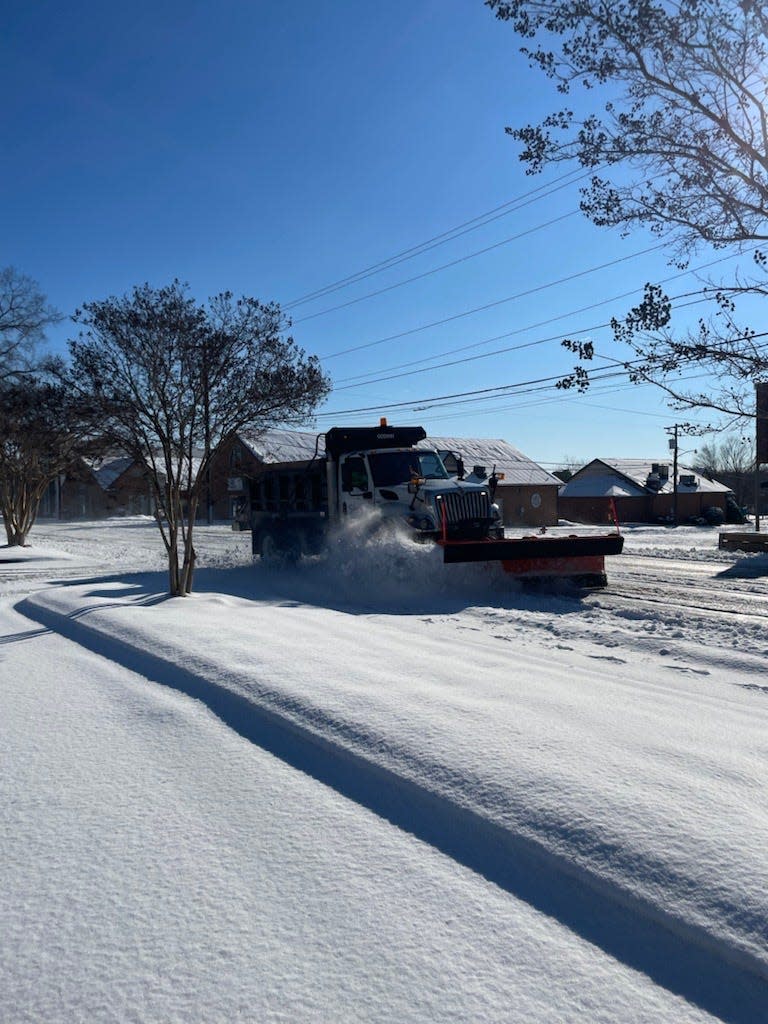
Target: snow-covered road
(158, 867)
(419, 798)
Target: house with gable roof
(640, 490)
(92, 488)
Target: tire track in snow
(725, 980)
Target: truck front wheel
(270, 551)
(277, 551)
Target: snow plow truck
(294, 506)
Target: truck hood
(429, 488)
(398, 500)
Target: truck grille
(461, 506)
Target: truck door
(354, 483)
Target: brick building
(642, 491)
(95, 488)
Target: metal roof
(602, 477)
(277, 446)
(517, 468)
(107, 468)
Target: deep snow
(402, 791)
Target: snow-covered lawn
(378, 788)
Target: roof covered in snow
(107, 468)
(277, 446)
(489, 452)
(636, 477)
(607, 485)
(274, 446)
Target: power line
(542, 400)
(600, 390)
(496, 302)
(425, 402)
(437, 270)
(511, 206)
(607, 371)
(548, 400)
(499, 351)
(362, 382)
(485, 341)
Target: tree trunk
(188, 569)
(190, 557)
(16, 538)
(18, 522)
(15, 532)
(174, 579)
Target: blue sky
(275, 149)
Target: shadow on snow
(686, 961)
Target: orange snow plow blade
(577, 558)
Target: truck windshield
(392, 468)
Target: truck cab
(413, 484)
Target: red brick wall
(528, 505)
(233, 461)
(83, 498)
(646, 509)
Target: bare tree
(676, 135)
(567, 466)
(174, 380)
(734, 454)
(708, 460)
(24, 317)
(731, 462)
(737, 454)
(43, 428)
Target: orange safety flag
(614, 514)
